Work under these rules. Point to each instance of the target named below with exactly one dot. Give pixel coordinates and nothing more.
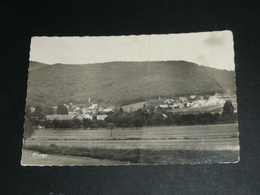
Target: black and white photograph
(159, 99)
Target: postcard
(159, 99)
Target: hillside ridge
(120, 83)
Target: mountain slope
(123, 82)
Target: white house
(59, 117)
(83, 116)
(101, 117)
(107, 110)
(164, 106)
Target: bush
(48, 124)
(77, 123)
(63, 123)
(93, 126)
(188, 119)
(56, 123)
(124, 125)
(169, 120)
(88, 121)
(137, 122)
(100, 123)
(208, 118)
(85, 125)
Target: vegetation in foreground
(143, 156)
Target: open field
(206, 137)
(202, 109)
(148, 145)
(134, 106)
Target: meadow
(147, 145)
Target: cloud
(216, 39)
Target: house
(169, 102)
(175, 106)
(72, 113)
(183, 99)
(101, 117)
(165, 106)
(164, 116)
(86, 111)
(82, 116)
(192, 97)
(93, 107)
(59, 117)
(101, 109)
(38, 115)
(32, 109)
(107, 110)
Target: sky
(213, 49)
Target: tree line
(139, 118)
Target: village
(183, 111)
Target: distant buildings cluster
(94, 112)
(73, 113)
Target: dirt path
(57, 160)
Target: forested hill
(119, 83)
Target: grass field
(129, 156)
(134, 106)
(196, 144)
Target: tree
(121, 119)
(111, 119)
(157, 119)
(228, 108)
(49, 111)
(28, 111)
(87, 121)
(178, 119)
(169, 120)
(93, 126)
(77, 123)
(111, 126)
(85, 125)
(38, 108)
(48, 124)
(100, 124)
(28, 129)
(228, 112)
(137, 122)
(120, 111)
(56, 123)
(66, 124)
(61, 109)
(198, 119)
(142, 114)
(208, 118)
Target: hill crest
(119, 83)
